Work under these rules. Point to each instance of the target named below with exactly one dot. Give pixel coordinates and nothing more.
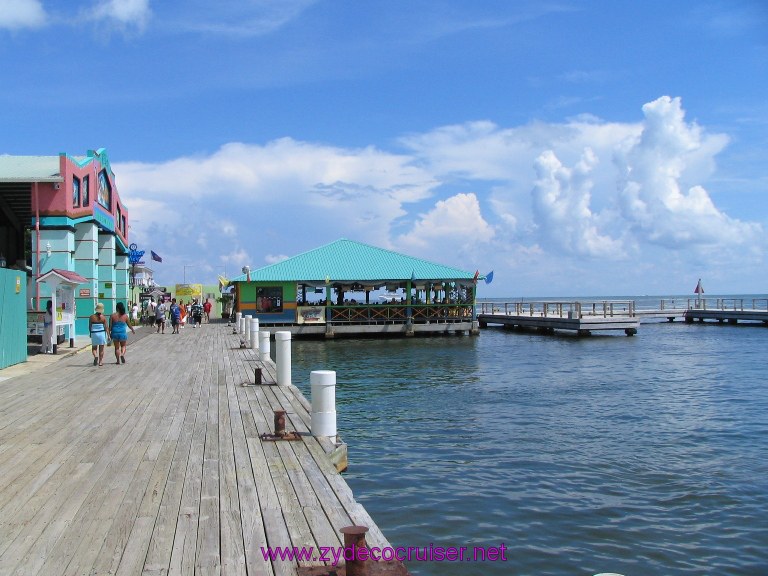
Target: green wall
(13, 317)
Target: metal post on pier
(323, 399)
(264, 345)
(247, 327)
(254, 333)
(283, 357)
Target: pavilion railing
(398, 313)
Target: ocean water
(644, 455)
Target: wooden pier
(157, 466)
(727, 310)
(585, 317)
(549, 316)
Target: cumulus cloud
(457, 219)
(654, 196)
(476, 195)
(17, 14)
(561, 206)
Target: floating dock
(584, 318)
(157, 466)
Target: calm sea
(638, 455)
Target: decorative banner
(189, 291)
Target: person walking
(197, 313)
(207, 310)
(97, 326)
(47, 347)
(118, 329)
(175, 316)
(160, 316)
(135, 313)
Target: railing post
(254, 332)
(264, 344)
(323, 417)
(247, 327)
(283, 357)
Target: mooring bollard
(254, 331)
(241, 326)
(354, 539)
(238, 315)
(264, 345)
(279, 422)
(323, 417)
(283, 357)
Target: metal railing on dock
(561, 309)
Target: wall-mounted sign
(85, 292)
(18, 284)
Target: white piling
(264, 345)
(254, 331)
(283, 357)
(247, 326)
(323, 422)
(238, 315)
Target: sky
(574, 148)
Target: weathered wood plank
(155, 467)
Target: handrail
(561, 309)
(399, 313)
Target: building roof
(29, 168)
(66, 276)
(350, 261)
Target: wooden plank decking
(156, 466)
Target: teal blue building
(70, 208)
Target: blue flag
(489, 277)
(155, 257)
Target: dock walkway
(157, 466)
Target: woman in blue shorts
(118, 329)
(97, 325)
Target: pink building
(70, 208)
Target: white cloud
(454, 222)
(561, 206)
(654, 200)
(122, 13)
(237, 18)
(581, 195)
(15, 14)
(275, 258)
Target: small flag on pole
(489, 277)
(155, 257)
(477, 275)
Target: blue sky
(575, 148)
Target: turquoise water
(642, 456)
